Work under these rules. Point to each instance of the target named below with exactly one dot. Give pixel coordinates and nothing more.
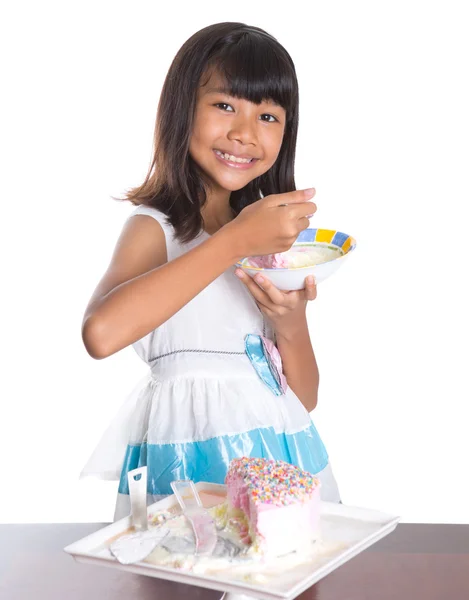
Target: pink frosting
(281, 515)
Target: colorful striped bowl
(294, 279)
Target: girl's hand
(286, 310)
(271, 224)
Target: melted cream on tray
(233, 557)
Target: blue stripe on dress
(209, 460)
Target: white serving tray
(346, 531)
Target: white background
(383, 137)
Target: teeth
(232, 158)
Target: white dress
(203, 403)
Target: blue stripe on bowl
(339, 238)
(308, 235)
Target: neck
(217, 211)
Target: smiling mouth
(235, 159)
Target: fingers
(296, 205)
(296, 223)
(295, 197)
(267, 294)
(298, 196)
(298, 208)
(310, 288)
(299, 211)
(272, 292)
(303, 223)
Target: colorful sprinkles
(273, 481)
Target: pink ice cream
(279, 501)
(296, 257)
(270, 261)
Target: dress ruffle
(189, 418)
(208, 460)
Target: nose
(243, 130)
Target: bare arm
(141, 289)
(287, 313)
(299, 365)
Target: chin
(236, 183)
(230, 186)
(234, 188)
(231, 183)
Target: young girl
(220, 187)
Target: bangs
(257, 68)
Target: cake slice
(279, 501)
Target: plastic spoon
(202, 523)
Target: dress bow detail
(267, 362)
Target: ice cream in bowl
(318, 252)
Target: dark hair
(255, 67)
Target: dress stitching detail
(195, 351)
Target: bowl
(339, 244)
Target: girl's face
(228, 125)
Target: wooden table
(415, 562)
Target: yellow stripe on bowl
(324, 235)
(346, 245)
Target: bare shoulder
(141, 247)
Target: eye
(219, 104)
(271, 116)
